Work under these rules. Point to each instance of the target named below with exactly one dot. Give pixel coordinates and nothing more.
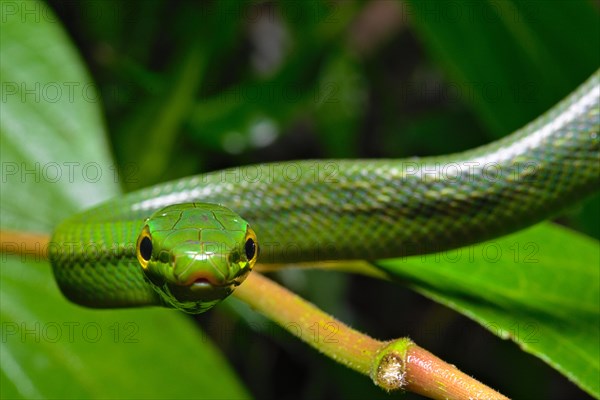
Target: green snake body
(353, 209)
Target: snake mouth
(201, 283)
(203, 280)
(200, 289)
(205, 283)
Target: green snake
(179, 244)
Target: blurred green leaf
(55, 161)
(157, 124)
(252, 112)
(539, 287)
(154, 127)
(511, 60)
(52, 130)
(340, 104)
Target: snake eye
(144, 247)
(250, 248)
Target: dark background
(190, 87)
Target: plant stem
(396, 364)
(24, 244)
(429, 376)
(308, 323)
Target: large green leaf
(539, 287)
(54, 349)
(55, 161)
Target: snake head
(195, 254)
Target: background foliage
(188, 87)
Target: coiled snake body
(172, 244)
